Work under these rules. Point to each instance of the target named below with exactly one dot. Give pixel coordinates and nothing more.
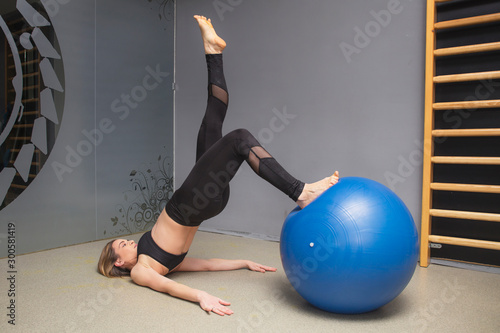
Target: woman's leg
(211, 126)
(204, 192)
(217, 101)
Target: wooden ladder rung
(17, 150)
(465, 242)
(22, 187)
(465, 187)
(467, 77)
(463, 22)
(32, 176)
(465, 160)
(467, 132)
(23, 126)
(492, 103)
(30, 74)
(32, 163)
(485, 47)
(29, 100)
(31, 113)
(457, 214)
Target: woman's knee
(241, 134)
(243, 140)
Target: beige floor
(60, 291)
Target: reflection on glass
(26, 136)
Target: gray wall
(355, 102)
(349, 74)
(115, 58)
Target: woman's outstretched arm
(199, 265)
(148, 277)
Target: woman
(203, 195)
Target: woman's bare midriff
(171, 237)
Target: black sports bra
(148, 247)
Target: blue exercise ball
(353, 249)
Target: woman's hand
(214, 304)
(253, 266)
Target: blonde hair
(106, 265)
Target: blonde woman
(203, 195)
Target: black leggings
(205, 192)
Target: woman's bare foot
(213, 44)
(314, 190)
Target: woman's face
(126, 250)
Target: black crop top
(148, 247)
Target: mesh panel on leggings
(256, 154)
(219, 93)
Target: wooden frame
(429, 160)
